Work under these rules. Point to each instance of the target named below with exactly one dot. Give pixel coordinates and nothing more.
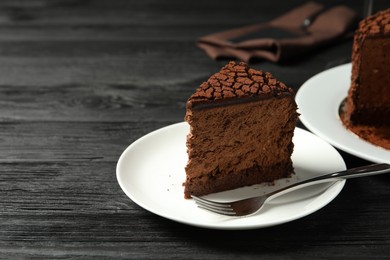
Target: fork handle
(357, 172)
(368, 170)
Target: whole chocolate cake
(241, 126)
(367, 108)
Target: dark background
(81, 80)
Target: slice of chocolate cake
(241, 126)
(367, 108)
(369, 95)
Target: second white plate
(151, 172)
(319, 99)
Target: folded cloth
(298, 31)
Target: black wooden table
(81, 80)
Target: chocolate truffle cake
(368, 102)
(241, 126)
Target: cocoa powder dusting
(377, 135)
(236, 81)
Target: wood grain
(81, 80)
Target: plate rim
(370, 152)
(337, 185)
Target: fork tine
(218, 211)
(216, 207)
(211, 203)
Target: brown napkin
(284, 37)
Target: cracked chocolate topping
(375, 25)
(236, 83)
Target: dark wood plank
(69, 141)
(72, 204)
(116, 102)
(80, 80)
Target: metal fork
(250, 206)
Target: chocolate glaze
(234, 101)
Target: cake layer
(229, 140)
(375, 74)
(219, 182)
(371, 93)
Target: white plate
(319, 99)
(151, 172)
